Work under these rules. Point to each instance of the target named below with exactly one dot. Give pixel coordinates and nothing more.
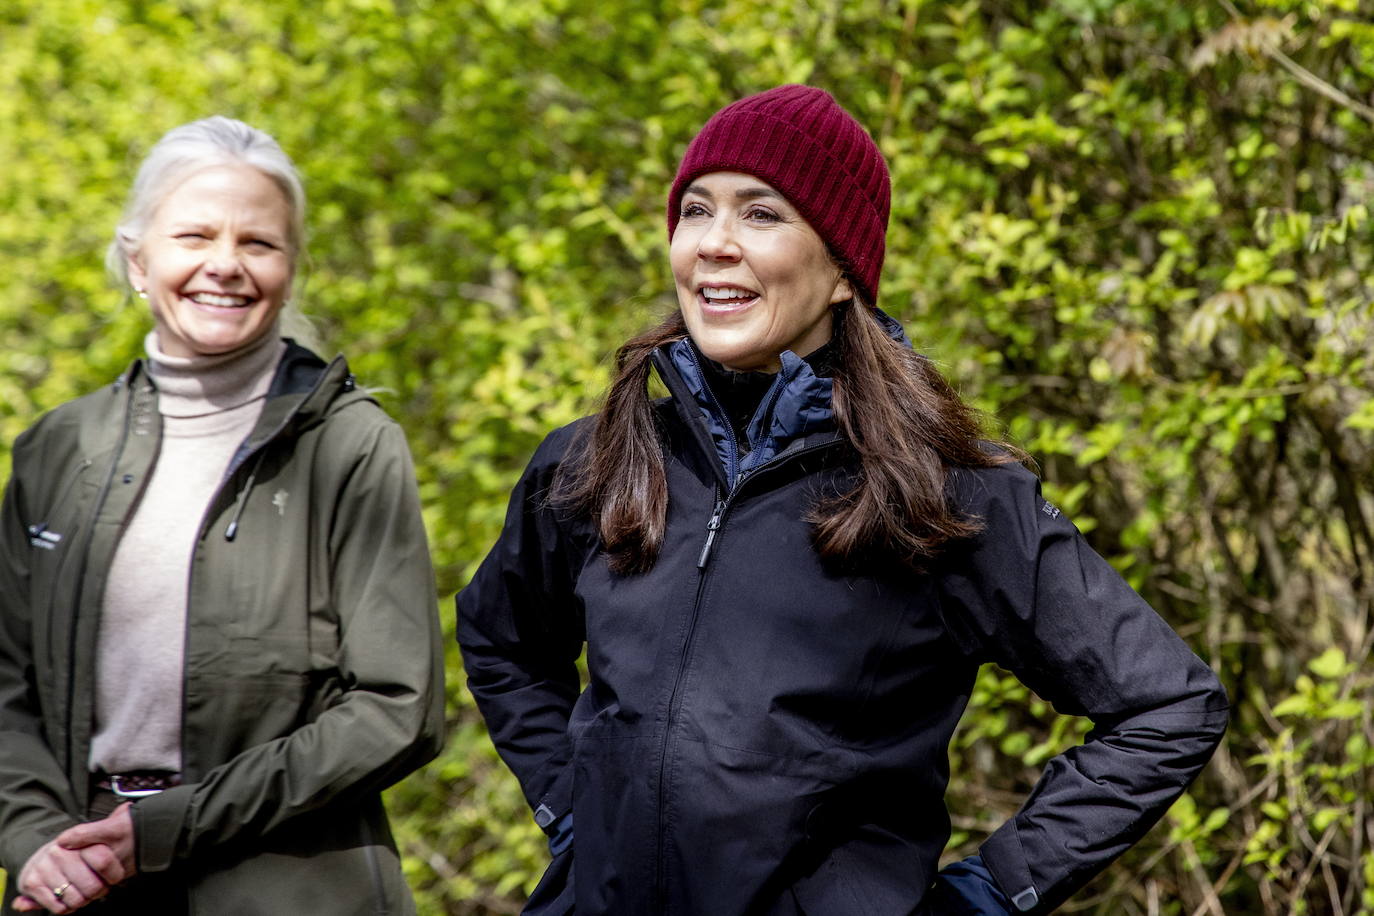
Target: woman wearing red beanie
(786, 576)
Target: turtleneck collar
(196, 385)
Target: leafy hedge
(1136, 233)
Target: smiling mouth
(726, 298)
(221, 300)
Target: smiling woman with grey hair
(217, 630)
(192, 148)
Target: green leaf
(1344, 709)
(1294, 705)
(1362, 417)
(1330, 665)
(1325, 817)
(1216, 820)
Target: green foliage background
(1136, 233)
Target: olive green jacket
(313, 666)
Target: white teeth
(725, 292)
(222, 301)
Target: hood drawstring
(348, 384)
(242, 503)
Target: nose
(222, 262)
(718, 242)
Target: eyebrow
(751, 193)
(192, 225)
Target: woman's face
(215, 261)
(753, 278)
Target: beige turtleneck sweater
(209, 404)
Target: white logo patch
(279, 500)
(40, 536)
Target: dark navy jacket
(765, 733)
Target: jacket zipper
(77, 596)
(717, 520)
(711, 528)
(723, 505)
(765, 411)
(732, 447)
(717, 516)
(237, 462)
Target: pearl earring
(142, 294)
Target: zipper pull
(711, 527)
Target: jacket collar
(795, 410)
(303, 390)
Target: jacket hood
(304, 390)
(892, 326)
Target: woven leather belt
(138, 784)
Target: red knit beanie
(800, 141)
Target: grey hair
(192, 148)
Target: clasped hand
(79, 866)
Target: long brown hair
(903, 420)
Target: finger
(73, 897)
(38, 884)
(26, 904)
(83, 835)
(108, 830)
(45, 899)
(102, 860)
(86, 886)
(63, 882)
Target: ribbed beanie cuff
(800, 141)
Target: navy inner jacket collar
(795, 404)
(740, 393)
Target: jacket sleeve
(1029, 594)
(520, 629)
(388, 719)
(34, 793)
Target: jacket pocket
(556, 893)
(338, 860)
(830, 890)
(870, 874)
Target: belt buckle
(117, 788)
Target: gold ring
(59, 891)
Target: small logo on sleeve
(1050, 509)
(279, 500)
